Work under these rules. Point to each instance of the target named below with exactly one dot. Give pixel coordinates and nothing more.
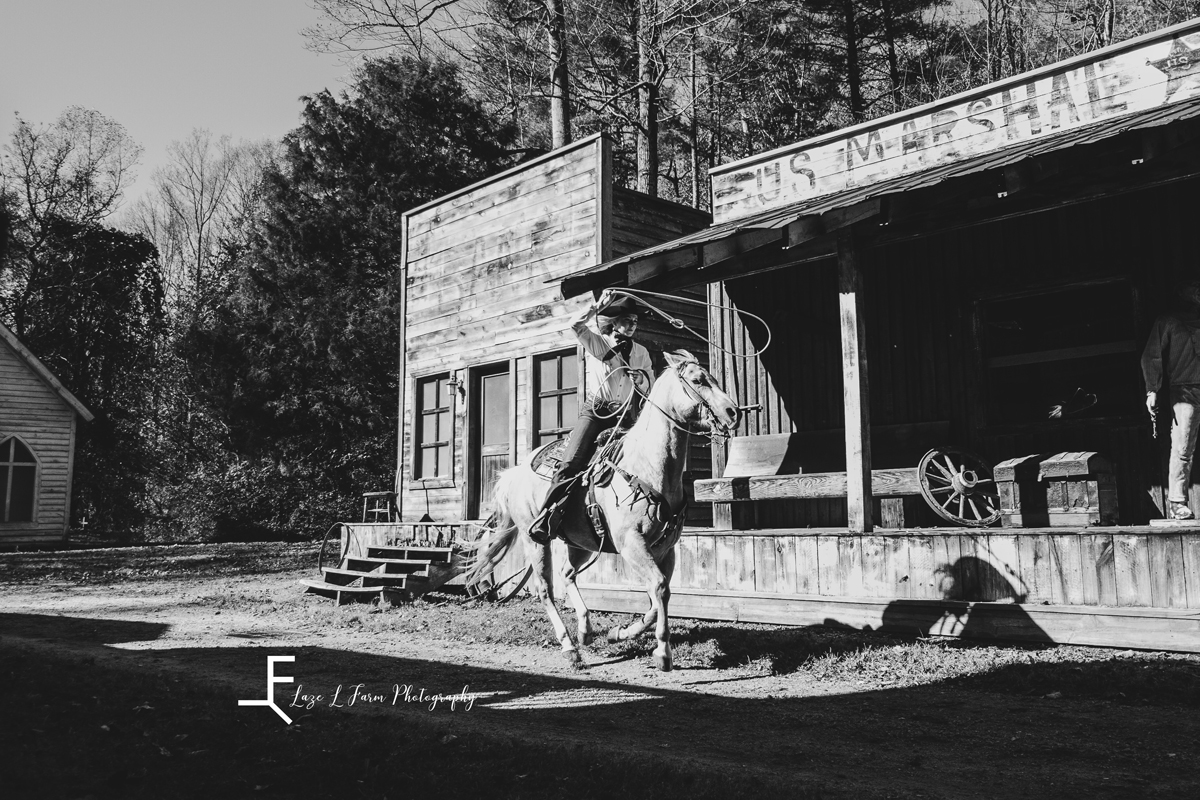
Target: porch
(1124, 586)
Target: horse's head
(697, 402)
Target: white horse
(640, 505)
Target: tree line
(684, 85)
(235, 329)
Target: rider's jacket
(608, 380)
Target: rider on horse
(616, 365)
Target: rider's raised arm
(592, 342)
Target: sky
(162, 67)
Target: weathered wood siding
(926, 351)
(482, 275)
(1122, 567)
(38, 415)
(476, 272)
(1130, 587)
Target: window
(556, 405)
(433, 428)
(18, 480)
(1062, 353)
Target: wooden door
(491, 446)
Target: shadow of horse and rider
(980, 600)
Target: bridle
(715, 429)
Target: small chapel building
(38, 418)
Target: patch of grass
(250, 601)
(125, 564)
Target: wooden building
(948, 275)
(491, 369)
(37, 448)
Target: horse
(642, 506)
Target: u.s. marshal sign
(1153, 70)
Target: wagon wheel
(331, 551)
(958, 485)
(511, 586)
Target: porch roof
(806, 230)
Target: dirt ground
(120, 673)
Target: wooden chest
(1068, 490)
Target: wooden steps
(436, 555)
(403, 571)
(342, 594)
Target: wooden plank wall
(481, 283)
(35, 412)
(1121, 568)
(476, 293)
(924, 352)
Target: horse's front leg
(577, 559)
(616, 633)
(659, 598)
(657, 577)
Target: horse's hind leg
(577, 560)
(542, 585)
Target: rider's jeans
(594, 419)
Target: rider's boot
(545, 525)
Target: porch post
(854, 384)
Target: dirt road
(481, 694)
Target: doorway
(490, 435)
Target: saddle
(546, 458)
(599, 473)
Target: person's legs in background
(1184, 426)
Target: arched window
(18, 480)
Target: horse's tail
(500, 532)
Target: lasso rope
(675, 322)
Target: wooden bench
(811, 466)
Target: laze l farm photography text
(358, 694)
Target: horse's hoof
(574, 660)
(614, 634)
(662, 662)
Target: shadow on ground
(165, 722)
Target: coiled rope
(675, 322)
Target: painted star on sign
(1182, 62)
